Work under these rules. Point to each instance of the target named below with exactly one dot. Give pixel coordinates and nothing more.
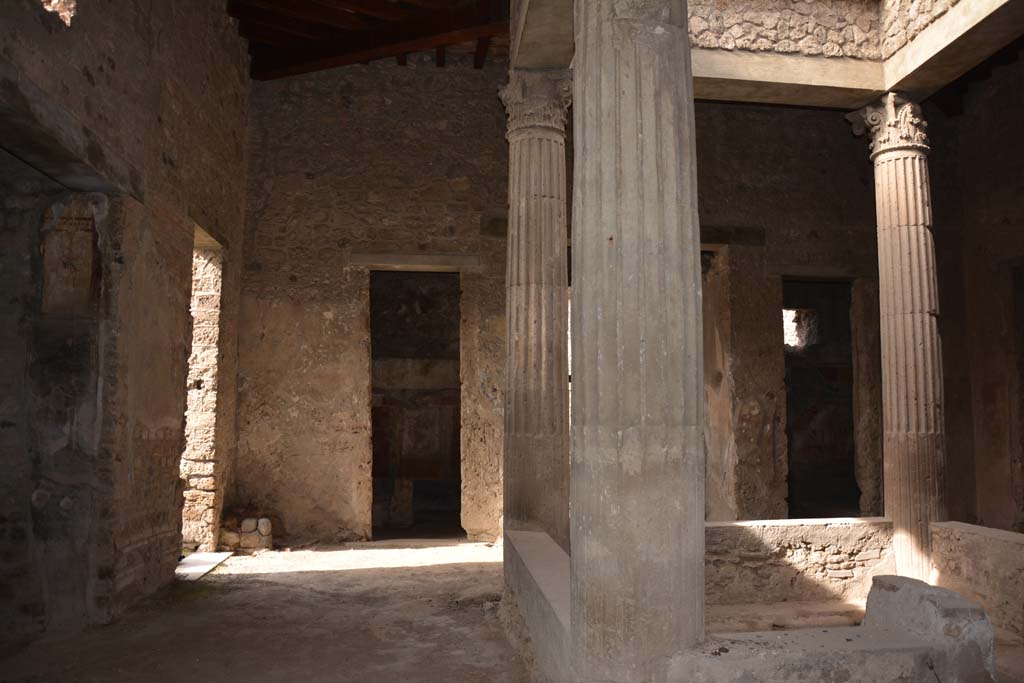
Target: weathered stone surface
(766, 185)
(201, 414)
(795, 560)
(138, 128)
(978, 211)
(911, 632)
(983, 565)
(912, 399)
(536, 471)
(867, 394)
(902, 20)
(637, 411)
(374, 159)
(832, 28)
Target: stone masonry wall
(201, 467)
(985, 566)
(150, 99)
(833, 28)
(902, 20)
(376, 159)
(990, 145)
(795, 560)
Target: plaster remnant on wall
(831, 28)
(65, 9)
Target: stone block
(229, 539)
(249, 525)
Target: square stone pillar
(912, 401)
(536, 465)
(637, 456)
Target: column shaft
(912, 400)
(637, 462)
(537, 399)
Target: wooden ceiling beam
(436, 4)
(297, 27)
(277, 64)
(311, 12)
(383, 41)
(379, 9)
(264, 35)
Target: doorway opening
(819, 399)
(200, 468)
(416, 410)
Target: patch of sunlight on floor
(362, 556)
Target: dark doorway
(414, 329)
(819, 399)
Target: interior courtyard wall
(791, 192)
(954, 329)
(990, 147)
(151, 98)
(376, 159)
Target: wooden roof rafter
(290, 37)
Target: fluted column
(914, 448)
(637, 589)
(536, 473)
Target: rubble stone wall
(795, 560)
(902, 20)
(833, 28)
(376, 159)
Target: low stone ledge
(912, 632)
(795, 560)
(537, 576)
(984, 565)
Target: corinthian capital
(894, 123)
(537, 99)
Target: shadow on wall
(773, 561)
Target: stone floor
(390, 611)
(397, 610)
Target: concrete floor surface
(364, 613)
